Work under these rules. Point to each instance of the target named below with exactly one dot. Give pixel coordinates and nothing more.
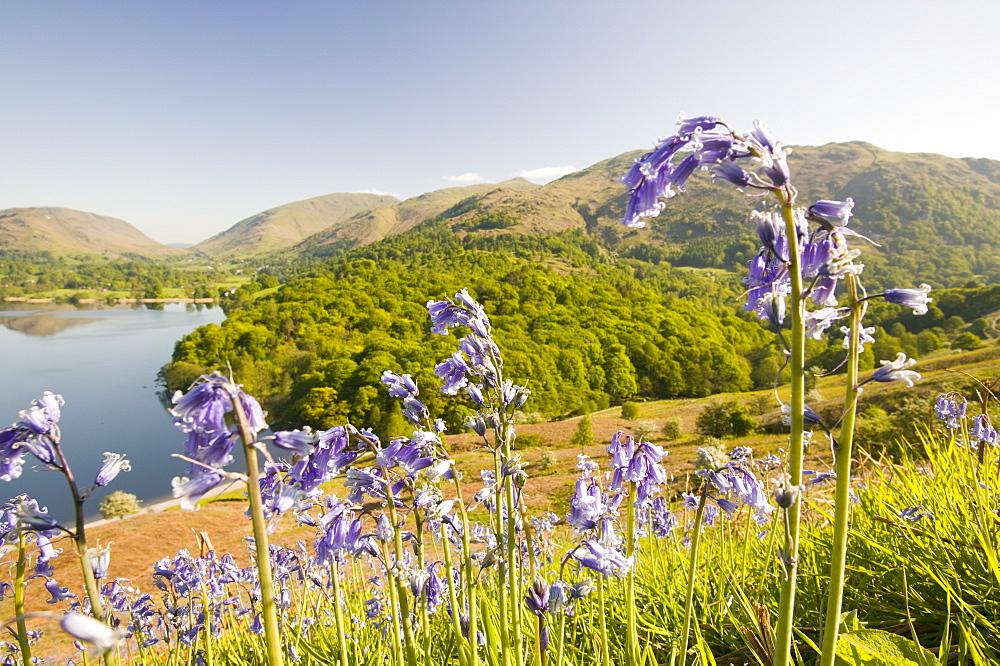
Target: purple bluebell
(910, 298)
(587, 505)
(915, 513)
(896, 370)
(817, 321)
(477, 424)
(866, 337)
(835, 213)
(983, 431)
(300, 442)
(400, 386)
(190, 490)
(950, 407)
(690, 125)
(58, 594)
(452, 372)
(608, 561)
(114, 463)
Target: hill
(284, 226)
(373, 225)
(937, 216)
(64, 230)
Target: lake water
(104, 363)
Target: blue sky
(184, 117)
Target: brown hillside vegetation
(63, 230)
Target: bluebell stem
(790, 256)
(201, 414)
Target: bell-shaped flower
(90, 630)
(114, 463)
(910, 298)
(897, 370)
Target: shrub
(673, 429)
(644, 429)
(631, 410)
(119, 504)
(529, 439)
(726, 419)
(547, 459)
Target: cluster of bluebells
(952, 407)
(477, 366)
(37, 432)
(201, 414)
(734, 484)
(755, 162)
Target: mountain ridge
(66, 230)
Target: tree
(967, 341)
(584, 435)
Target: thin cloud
(545, 173)
(470, 177)
(372, 190)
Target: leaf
(873, 647)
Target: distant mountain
(64, 230)
(284, 226)
(373, 225)
(934, 217)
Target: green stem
(605, 648)
(402, 589)
(397, 645)
(456, 613)
(338, 611)
(692, 574)
(19, 584)
(793, 514)
(269, 611)
(470, 578)
(842, 497)
(630, 609)
(512, 555)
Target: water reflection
(105, 368)
(43, 325)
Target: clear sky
(184, 117)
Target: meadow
(840, 519)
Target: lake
(104, 364)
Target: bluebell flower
(300, 442)
(910, 298)
(983, 431)
(866, 336)
(190, 490)
(896, 370)
(915, 513)
(114, 463)
(58, 594)
(400, 386)
(452, 372)
(608, 561)
(950, 407)
(835, 213)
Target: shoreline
(91, 301)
